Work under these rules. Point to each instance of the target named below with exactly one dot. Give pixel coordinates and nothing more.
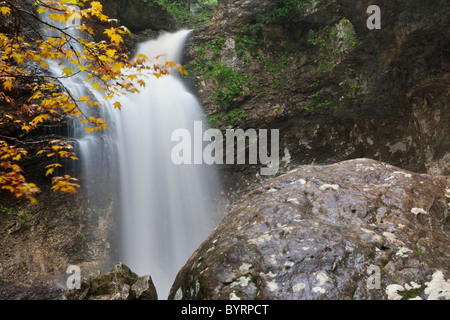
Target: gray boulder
(358, 229)
(118, 284)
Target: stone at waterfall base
(355, 230)
(118, 284)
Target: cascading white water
(165, 209)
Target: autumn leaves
(64, 38)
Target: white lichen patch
(392, 291)
(412, 285)
(273, 260)
(293, 200)
(233, 296)
(261, 239)
(287, 229)
(211, 249)
(195, 291)
(272, 190)
(242, 281)
(406, 175)
(374, 236)
(298, 287)
(289, 264)
(179, 294)
(403, 252)
(321, 278)
(305, 248)
(392, 238)
(319, 290)
(245, 267)
(417, 211)
(329, 186)
(438, 287)
(272, 285)
(447, 193)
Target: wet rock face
(327, 232)
(138, 15)
(118, 284)
(380, 94)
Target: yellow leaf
(90, 130)
(118, 66)
(96, 5)
(26, 127)
(67, 72)
(44, 65)
(111, 52)
(117, 105)
(40, 118)
(8, 85)
(41, 10)
(5, 10)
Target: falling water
(165, 209)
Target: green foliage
(82, 235)
(24, 216)
(21, 217)
(229, 84)
(6, 211)
(409, 294)
(328, 40)
(272, 12)
(332, 42)
(231, 116)
(317, 103)
(184, 17)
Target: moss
(409, 294)
(257, 294)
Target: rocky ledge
(118, 284)
(359, 229)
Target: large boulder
(118, 284)
(358, 229)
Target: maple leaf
(117, 105)
(67, 72)
(8, 85)
(5, 10)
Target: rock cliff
(335, 89)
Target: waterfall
(165, 209)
